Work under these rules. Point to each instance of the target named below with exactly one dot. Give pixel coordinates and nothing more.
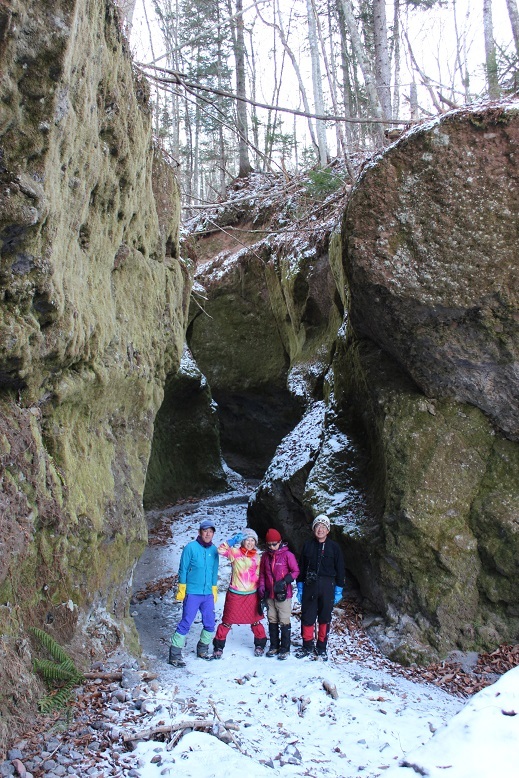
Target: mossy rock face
(264, 340)
(93, 306)
(185, 457)
(439, 555)
(425, 367)
(430, 256)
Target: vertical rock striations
(93, 300)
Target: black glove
(288, 578)
(262, 604)
(280, 586)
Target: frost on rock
(299, 447)
(335, 486)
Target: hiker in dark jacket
(278, 569)
(320, 586)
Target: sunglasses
(271, 545)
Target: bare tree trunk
(244, 165)
(333, 93)
(413, 101)
(490, 52)
(514, 21)
(396, 59)
(362, 59)
(317, 83)
(382, 64)
(351, 129)
(461, 56)
(127, 10)
(254, 113)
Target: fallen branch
(302, 704)
(228, 726)
(116, 676)
(166, 729)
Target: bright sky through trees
(438, 59)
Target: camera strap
(320, 554)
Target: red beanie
(272, 536)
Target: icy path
(288, 724)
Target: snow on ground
(288, 724)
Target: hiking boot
(306, 650)
(202, 650)
(284, 655)
(175, 657)
(320, 650)
(274, 639)
(259, 651)
(284, 645)
(217, 653)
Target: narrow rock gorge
(407, 428)
(369, 371)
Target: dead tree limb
(228, 726)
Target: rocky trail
(355, 715)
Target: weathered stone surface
(427, 367)
(185, 455)
(414, 461)
(264, 342)
(278, 501)
(93, 300)
(431, 258)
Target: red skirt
(241, 609)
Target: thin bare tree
(382, 62)
(362, 58)
(317, 82)
(490, 52)
(238, 41)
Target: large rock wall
(413, 453)
(93, 301)
(263, 335)
(429, 365)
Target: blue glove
(338, 595)
(236, 539)
(300, 591)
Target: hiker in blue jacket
(198, 591)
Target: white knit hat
(249, 533)
(321, 519)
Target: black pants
(317, 604)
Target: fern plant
(59, 673)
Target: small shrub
(322, 183)
(59, 673)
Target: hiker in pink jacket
(278, 569)
(241, 600)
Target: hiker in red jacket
(278, 569)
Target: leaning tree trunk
(490, 52)
(514, 21)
